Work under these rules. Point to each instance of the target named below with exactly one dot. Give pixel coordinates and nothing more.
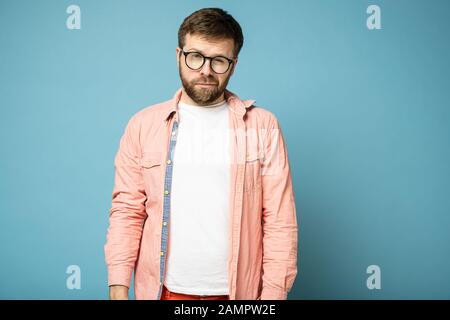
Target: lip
(206, 84)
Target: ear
(178, 50)
(233, 67)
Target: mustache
(205, 82)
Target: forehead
(209, 47)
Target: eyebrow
(214, 55)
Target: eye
(196, 55)
(220, 60)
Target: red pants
(168, 295)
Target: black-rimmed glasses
(195, 60)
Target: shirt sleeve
(280, 230)
(127, 213)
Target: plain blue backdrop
(365, 114)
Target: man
(203, 204)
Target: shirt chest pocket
(151, 168)
(252, 181)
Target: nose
(206, 69)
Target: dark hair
(212, 23)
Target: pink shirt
(262, 259)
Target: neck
(186, 99)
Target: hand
(117, 292)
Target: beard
(203, 96)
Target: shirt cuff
(273, 294)
(119, 275)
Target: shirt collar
(236, 104)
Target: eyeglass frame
(230, 61)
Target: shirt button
(166, 192)
(162, 253)
(165, 223)
(169, 162)
(173, 133)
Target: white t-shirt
(199, 218)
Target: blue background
(365, 114)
